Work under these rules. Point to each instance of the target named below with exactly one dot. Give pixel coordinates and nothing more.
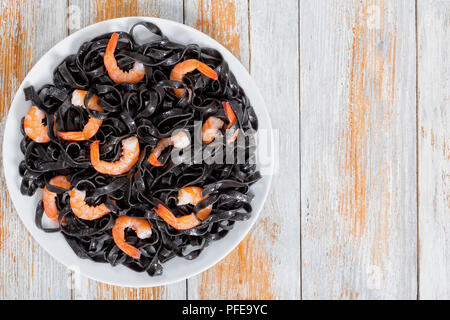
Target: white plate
(176, 269)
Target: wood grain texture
(266, 265)
(358, 149)
(90, 12)
(433, 21)
(83, 12)
(26, 270)
(224, 20)
(363, 147)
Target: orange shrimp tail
(230, 113)
(112, 44)
(207, 71)
(133, 252)
(166, 215)
(153, 159)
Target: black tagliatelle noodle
(150, 111)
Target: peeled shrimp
(82, 210)
(187, 195)
(140, 225)
(211, 127)
(179, 141)
(182, 68)
(33, 126)
(92, 126)
(130, 155)
(136, 74)
(231, 120)
(193, 195)
(48, 197)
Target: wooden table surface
(360, 94)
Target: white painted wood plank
(27, 32)
(81, 14)
(274, 64)
(358, 149)
(85, 12)
(224, 20)
(266, 265)
(433, 20)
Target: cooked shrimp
(92, 126)
(231, 121)
(82, 210)
(193, 195)
(180, 70)
(187, 195)
(136, 74)
(49, 198)
(130, 155)
(33, 126)
(230, 114)
(140, 225)
(210, 129)
(182, 223)
(179, 141)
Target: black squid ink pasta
(99, 141)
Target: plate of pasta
(131, 151)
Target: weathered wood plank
(358, 149)
(27, 32)
(225, 21)
(83, 13)
(433, 21)
(94, 11)
(267, 263)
